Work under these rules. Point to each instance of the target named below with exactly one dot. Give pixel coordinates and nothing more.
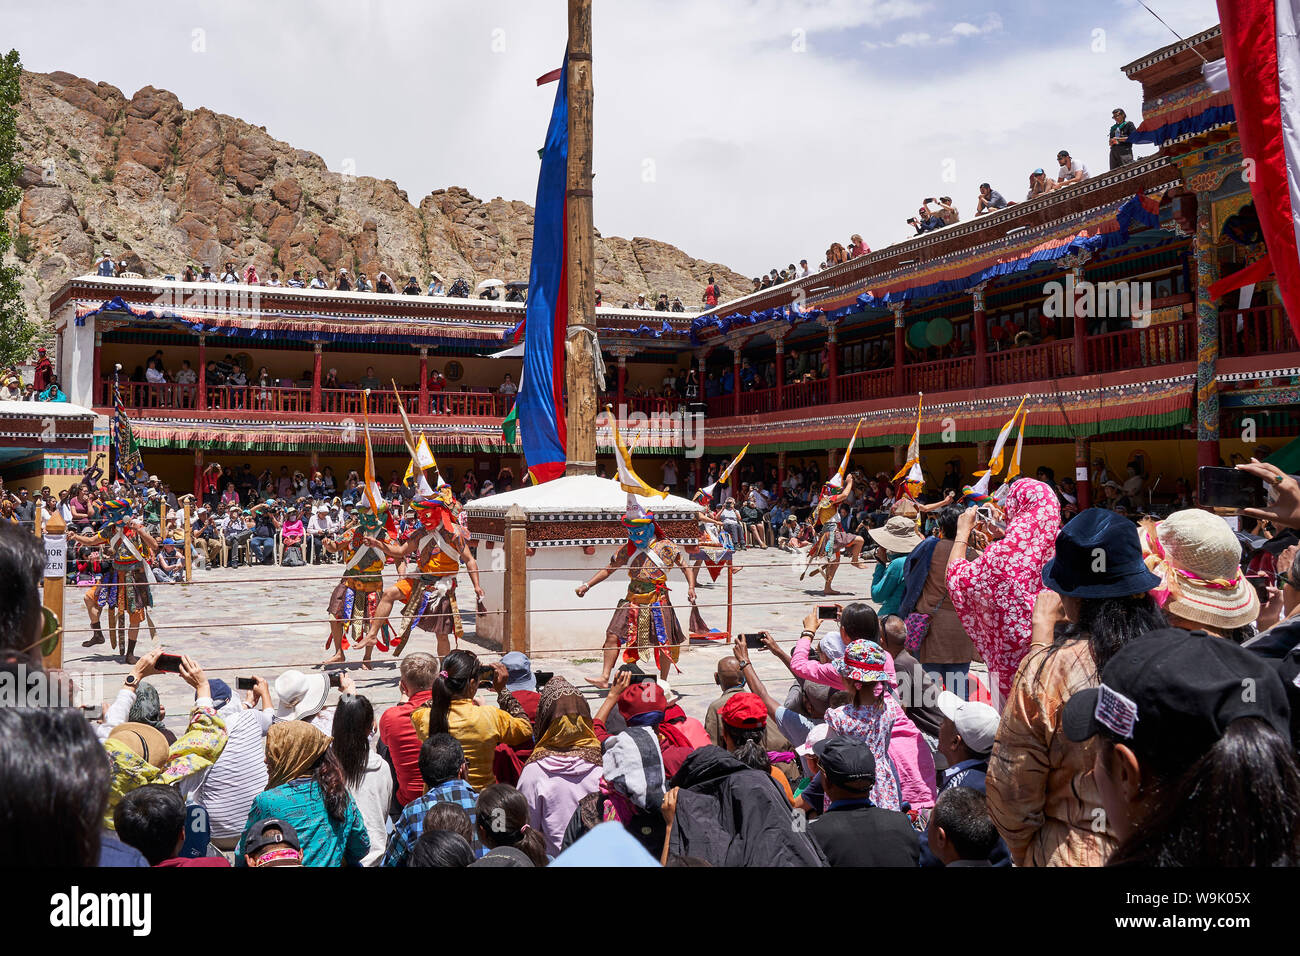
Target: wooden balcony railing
(1258, 331)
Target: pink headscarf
(250, 276)
(994, 595)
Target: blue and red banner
(540, 404)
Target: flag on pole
(419, 459)
(1263, 57)
(848, 452)
(912, 466)
(374, 494)
(628, 479)
(130, 466)
(1013, 469)
(979, 493)
(539, 406)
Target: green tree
(17, 333)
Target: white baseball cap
(815, 736)
(977, 723)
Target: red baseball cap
(642, 698)
(743, 711)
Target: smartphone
(828, 612)
(542, 677)
(168, 664)
(1260, 583)
(1229, 488)
(754, 641)
(245, 683)
(336, 678)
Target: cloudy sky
(749, 132)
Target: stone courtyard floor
(265, 620)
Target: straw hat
(143, 740)
(1199, 558)
(898, 536)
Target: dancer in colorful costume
(124, 589)
(352, 603)
(440, 548)
(710, 549)
(645, 618)
(834, 540)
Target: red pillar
(198, 475)
(315, 380)
(735, 381)
(980, 324)
(1073, 277)
(622, 381)
(780, 373)
(201, 399)
(1082, 474)
(832, 365)
(424, 383)
(899, 356)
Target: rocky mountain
(160, 186)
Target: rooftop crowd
(1035, 685)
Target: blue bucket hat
(1098, 555)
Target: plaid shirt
(411, 823)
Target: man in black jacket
(852, 832)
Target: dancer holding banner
(645, 618)
(124, 588)
(834, 540)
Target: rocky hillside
(161, 185)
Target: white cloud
(762, 154)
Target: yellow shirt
(478, 728)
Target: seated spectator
(960, 831)
(318, 280)
(479, 729)
(441, 848)
(1041, 795)
(565, 763)
(250, 276)
(989, 199)
(1192, 772)
(1039, 184)
(728, 814)
(730, 675)
(856, 248)
(1202, 588)
(272, 843)
(1071, 171)
(292, 534)
(306, 788)
(853, 831)
(53, 772)
(274, 281)
(169, 564)
(412, 287)
(368, 777)
(152, 819)
(502, 822)
(443, 769)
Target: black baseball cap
(1171, 694)
(259, 839)
(846, 761)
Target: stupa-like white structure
(574, 525)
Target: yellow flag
(995, 459)
(914, 446)
(628, 479)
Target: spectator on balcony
(188, 378)
(661, 303)
(436, 286)
(206, 274)
(343, 283)
(384, 284)
(105, 266)
(369, 380)
(758, 284)
(229, 274)
(331, 379)
(363, 284)
(1039, 184)
(989, 199)
(1071, 171)
(189, 274)
(412, 287)
(856, 247)
(318, 280)
(640, 303)
(296, 281)
(251, 277)
(274, 282)
(263, 381)
(1133, 483)
(507, 386)
(710, 297)
(1120, 139)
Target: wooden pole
(56, 571)
(731, 573)
(514, 591)
(189, 547)
(580, 361)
